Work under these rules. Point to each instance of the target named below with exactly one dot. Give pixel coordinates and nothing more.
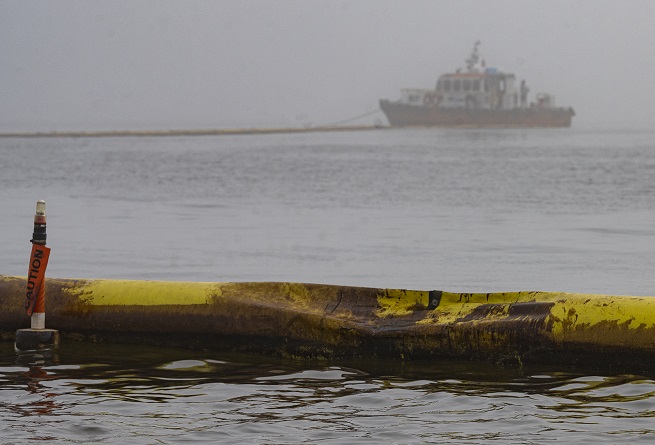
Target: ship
(476, 96)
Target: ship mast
(475, 63)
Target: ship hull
(405, 115)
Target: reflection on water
(119, 394)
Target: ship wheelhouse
(489, 89)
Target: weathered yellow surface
(604, 320)
(144, 293)
(323, 320)
(399, 302)
(599, 319)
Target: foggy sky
(85, 65)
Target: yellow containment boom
(315, 320)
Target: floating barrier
(314, 320)
(195, 132)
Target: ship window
(466, 84)
(446, 84)
(457, 84)
(476, 85)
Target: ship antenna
(474, 58)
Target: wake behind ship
(479, 96)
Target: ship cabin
(476, 87)
(489, 89)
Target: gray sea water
(456, 210)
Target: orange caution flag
(35, 301)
